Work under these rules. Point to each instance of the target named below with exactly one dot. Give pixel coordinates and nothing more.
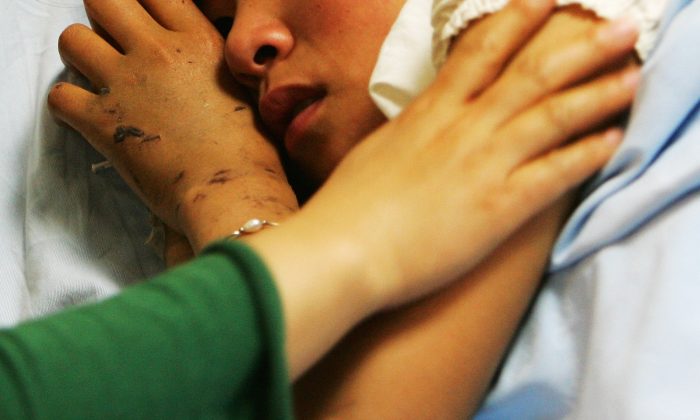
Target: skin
(468, 147)
(179, 77)
(361, 378)
(316, 43)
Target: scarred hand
(168, 115)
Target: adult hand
(170, 118)
(473, 321)
(430, 194)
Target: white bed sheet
(67, 236)
(614, 335)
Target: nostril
(265, 54)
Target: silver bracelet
(98, 167)
(251, 226)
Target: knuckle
(160, 52)
(211, 43)
(488, 47)
(535, 68)
(558, 116)
(559, 170)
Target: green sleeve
(202, 341)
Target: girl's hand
(429, 195)
(170, 118)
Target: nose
(255, 42)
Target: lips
(286, 110)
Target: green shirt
(204, 340)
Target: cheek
(345, 24)
(356, 116)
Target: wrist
(213, 211)
(322, 281)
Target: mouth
(289, 111)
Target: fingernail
(613, 136)
(632, 78)
(619, 31)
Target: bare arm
(468, 147)
(436, 358)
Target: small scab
(219, 180)
(199, 197)
(178, 50)
(179, 177)
(123, 132)
(221, 177)
(150, 138)
(114, 113)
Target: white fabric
(403, 69)
(450, 17)
(67, 236)
(616, 329)
(418, 41)
(616, 336)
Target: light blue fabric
(615, 332)
(628, 192)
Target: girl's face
(310, 62)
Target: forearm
(224, 204)
(435, 358)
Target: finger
(126, 21)
(80, 109)
(176, 15)
(571, 113)
(546, 178)
(99, 30)
(73, 43)
(480, 54)
(537, 72)
(477, 58)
